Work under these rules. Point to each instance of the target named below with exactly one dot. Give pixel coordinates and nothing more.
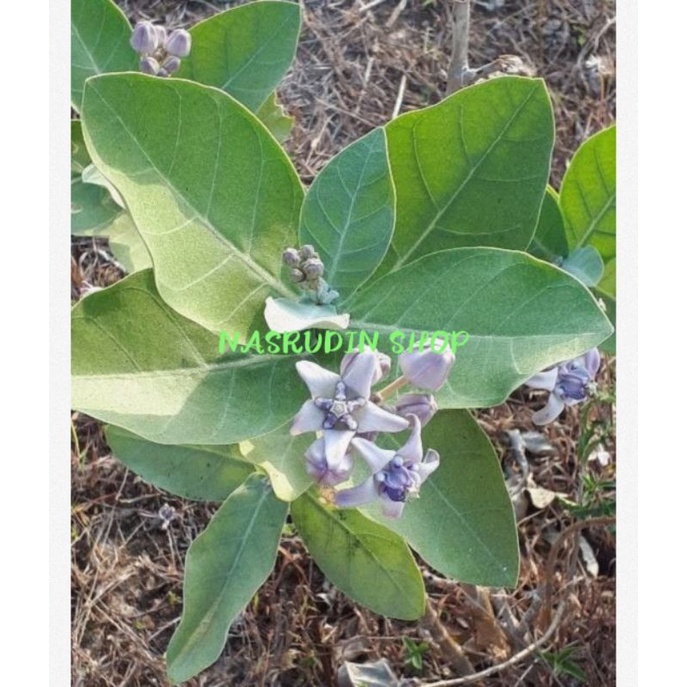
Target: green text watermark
(329, 341)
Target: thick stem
(459, 73)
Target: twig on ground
(450, 649)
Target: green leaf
(608, 346)
(462, 524)
(549, 242)
(272, 115)
(201, 473)
(521, 315)
(285, 315)
(127, 245)
(588, 195)
(139, 365)
(100, 43)
(471, 170)
(586, 264)
(213, 195)
(348, 212)
(244, 51)
(225, 566)
(365, 560)
(282, 457)
(607, 283)
(93, 208)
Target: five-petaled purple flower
(397, 475)
(340, 408)
(568, 382)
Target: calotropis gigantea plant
(203, 362)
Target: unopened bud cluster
(160, 52)
(307, 270)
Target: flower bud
(178, 43)
(307, 251)
(318, 468)
(171, 64)
(425, 368)
(424, 406)
(296, 275)
(144, 38)
(290, 257)
(149, 65)
(313, 268)
(160, 36)
(382, 363)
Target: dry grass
(354, 68)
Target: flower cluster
(160, 53)
(307, 270)
(348, 418)
(569, 382)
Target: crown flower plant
(350, 388)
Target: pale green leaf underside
(127, 245)
(100, 43)
(348, 212)
(201, 473)
(471, 170)
(282, 457)
(225, 566)
(521, 315)
(288, 315)
(244, 51)
(588, 195)
(273, 116)
(365, 560)
(463, 523)
(212, 194)
(139, 365)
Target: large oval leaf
(472, 170)
(463, 523)
(244, 51)
(521, 315)
(225, 566)
(363, 559)
(100, 43)
(139, 365)
(588, 195)
(201, 473)
(127, 245)
(348, 212)
(213, 195)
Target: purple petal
(365, 492)
(429, 464)
(412, 449)
(360, 373)
(592, 361)
(317, 467)
(308, 419)
(320, 382)
(392, 509)
(372, 418)
(543, 380)
(336, 443)
(376, 458)
(550, 411)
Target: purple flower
(318, 468)
(569, 383)
(422, 405)
(428, 367)
(340, 406)
(397, 475)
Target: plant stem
(390, 388)
(459, 73)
